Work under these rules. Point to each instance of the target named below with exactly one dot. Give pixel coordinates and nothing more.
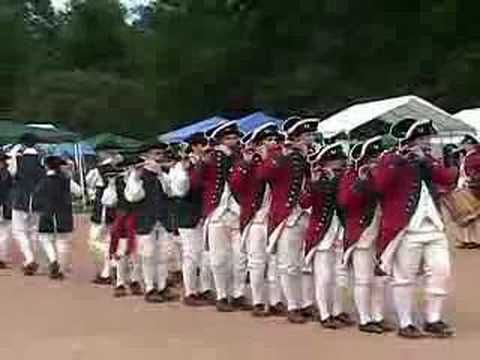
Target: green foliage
(96, 69)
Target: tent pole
(82, 175)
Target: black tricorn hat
(28, 139)
(54, 161)
(225, 129)
(330, 153)
(130, 161)
(197, 139)
(470, 139)
(410, 129)
(295, 126)
(264, 131)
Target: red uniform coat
(471, 163)
(249, 187)
(215, 174)
(321, 198)
(397, 180)
(358, 202)
(285, 173)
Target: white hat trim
(222, 127)
(367, 143)
(300, 123)
(261, 128)
(325, 150)
(416, 125)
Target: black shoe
(278, 310)
(3, 265)
(153, 296)
(241, 304)
(55, 273)
(296, 317)
(411, 332)
(259, 310)
(30, 269)
(104, 281)
(208, 297)
(331, 323)
(224, 306)
(439, 329)
(310, 313)
(370, 328)
(385, 326)
(120, 291)
(345, 319)
(136, 288)
(193, 301)
(168, 295)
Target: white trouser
(192, 246)
(129, 268)
(25, 232)
(206, 274)
(369, 290)
(331, 278)
(99, 242)
(290, 261)
(257, 260)
(154, 254)
(273, 279)
(308, 290)
(363, 271)
(229, 262)
(57, 247)
(174, 252)
(324, 275)
(47, 242)
(5, 239)
(342, 280)
(63, 245)
(432, 249)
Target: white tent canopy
(391, 110)
(470, 117)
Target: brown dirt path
(74, 321)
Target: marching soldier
(285, 169)
(255, 198)
(186, 186)
(144, 187)
(27, 171)
(222, 224)
(101, 219)
(324, 232)
(6, 183)
(358, 201)
(123, 248)
(54, 197)
(411, 230)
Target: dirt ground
(40, 319)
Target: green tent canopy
(108, 141)
(11, 132)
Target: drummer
(470, 179)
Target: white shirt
(426, 217)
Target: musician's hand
(365, 171)
(248, 154)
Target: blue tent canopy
(252, 121)
(67, 149)
(184, 133)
